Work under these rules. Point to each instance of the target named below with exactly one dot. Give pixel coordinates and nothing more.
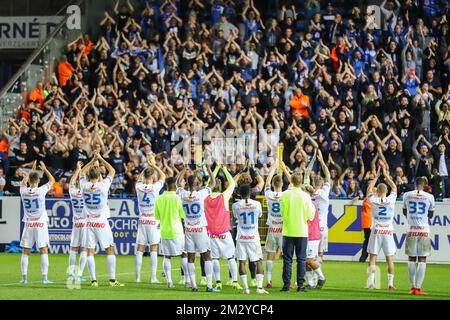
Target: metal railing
(40, 66)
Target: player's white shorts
(417, 246)
(196, 240)
(248, 250)
(312, 250)
(222, 246)
(148, 234)
(323, 244)
(378, 242)
(35, 232)
(172, 247)
(78, 233)
(273, 241)
(98, 231)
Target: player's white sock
(390, 279)
(44, 266)
(319, 260)
(216, 268)
(269, 267)
(138, 264)
(208, 273)
(259, 280)
(82, 262)
(111, 263)
(310, 278)
(153, 263)
(421, 267)
(91, 267)
(244, 281)
(167, 269)
(184, 266)
(412, 273)
(24, 266)
(191, 268)
(372, 278)
(233, 269)
(72, 261)
(319, 273)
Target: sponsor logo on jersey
(247, 237)
(218, 236)
(35, 224)
(149, 222)
(275, 230)
(194, 230)
(100, 225)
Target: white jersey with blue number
(321, 198)
(247, 213)
(33, 200)
(418, 203)
(146, 197)
(96, 198)
(383, 211)
(77, 200)
(194, 206)
(273, 200)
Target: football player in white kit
(418, 207)
(382, 234)
(79, 227)
(274, 220)
(196, 236)
(95, 193)
(247, 213)
(35, 219)
(322, 200)
(149, 184)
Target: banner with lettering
(21, 32)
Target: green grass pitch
(345, 280)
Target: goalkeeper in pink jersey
(312, 249)
(218, 219)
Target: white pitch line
(100, 276)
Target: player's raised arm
(231, 183)
(111, 170)
(286, 171)
(180, 176)
(324, 167)
(161, 174)
(372, 184)
(24, 182)
(270, 175)
(211, 181)
(87, 167)
(76, 174)
(51, 179)
(389, 180)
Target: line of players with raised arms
(192, 218)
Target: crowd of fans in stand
(328, 75)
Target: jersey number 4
(146, 199)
